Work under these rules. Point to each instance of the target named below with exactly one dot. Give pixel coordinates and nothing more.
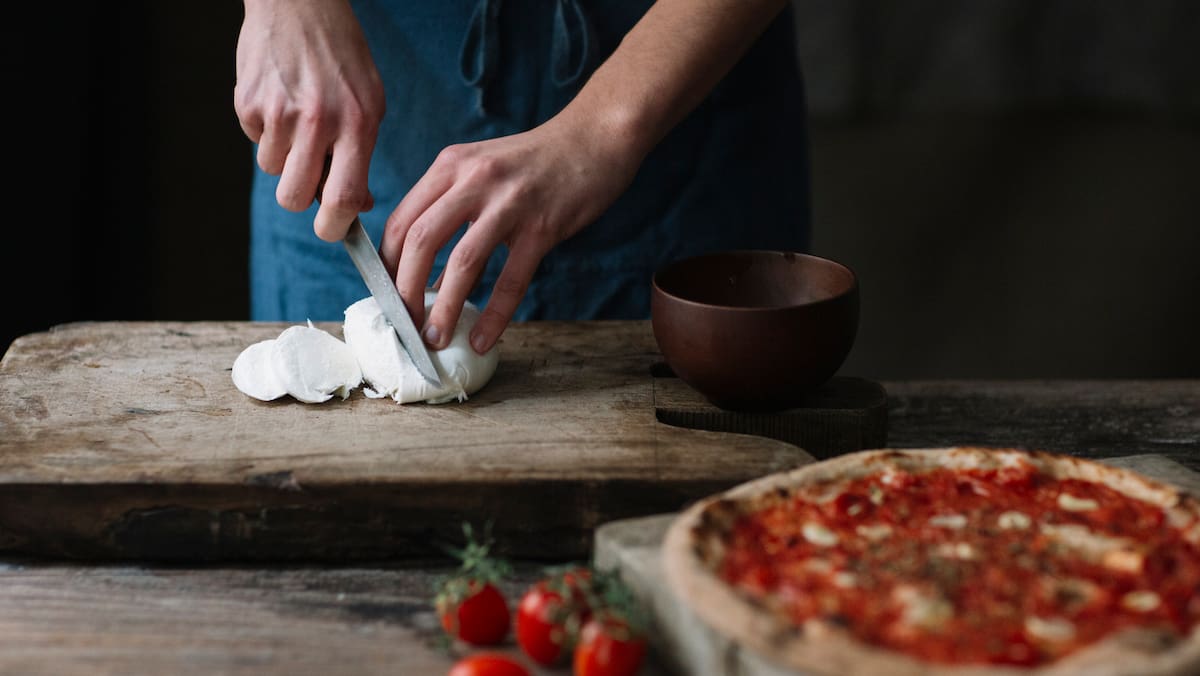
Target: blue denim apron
(732, 174)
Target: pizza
(954, 560)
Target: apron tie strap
(480, 54)
(571, 49)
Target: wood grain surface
(126, 440)
(374, 619)
(1085, 418)
(123, 620)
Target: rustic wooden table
(64, 618)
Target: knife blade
(366, 259)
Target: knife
(366, 259)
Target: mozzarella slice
(962, 551)
(927, 611)
(1082, 539)
(874, 532)
(1013, 520)
(1073, 504)
(313, 365)
(822, 566)
(389, 370)
(253, 374)
(1124, 560)
(1050, 629)
(1142, 601)
(845, 580)
(951, 521)
(818, 534)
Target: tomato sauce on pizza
(999, 565)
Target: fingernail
(479, 342)
(433, 336)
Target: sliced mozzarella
(845, 579)
(468, 370)
(1124, 560)
(1141, 601)
(955, 550)
(1050, 629)
(1073, 504)
(1013, 520)
(386, 366)
(254, 375)
(1192, 534)
(390, 371)
(1081, 538)
(819, 535)
(922, 610)
(313, 365)
(815, 565)
(874, 532)
(951, 521)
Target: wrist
(612, 124)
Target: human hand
(307, 92)
(528, 191)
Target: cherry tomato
(480, 618)
(548, 624)
(488, 664)
(540, 631)
(607, 647)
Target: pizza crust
(694, 546)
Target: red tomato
(608, 648)
(488, 664)
(541, 630)
(481, 618)
(547, 625)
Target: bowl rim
(853, 288)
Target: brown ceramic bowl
(754, 330)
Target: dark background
(1016, 183)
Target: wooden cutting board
(684, 644)
(123, 440)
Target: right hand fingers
(462, 272)
(428, 190)
(506, 296)
(422, 240)
(431, 186)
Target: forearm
(531, 190)
(666, 65)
